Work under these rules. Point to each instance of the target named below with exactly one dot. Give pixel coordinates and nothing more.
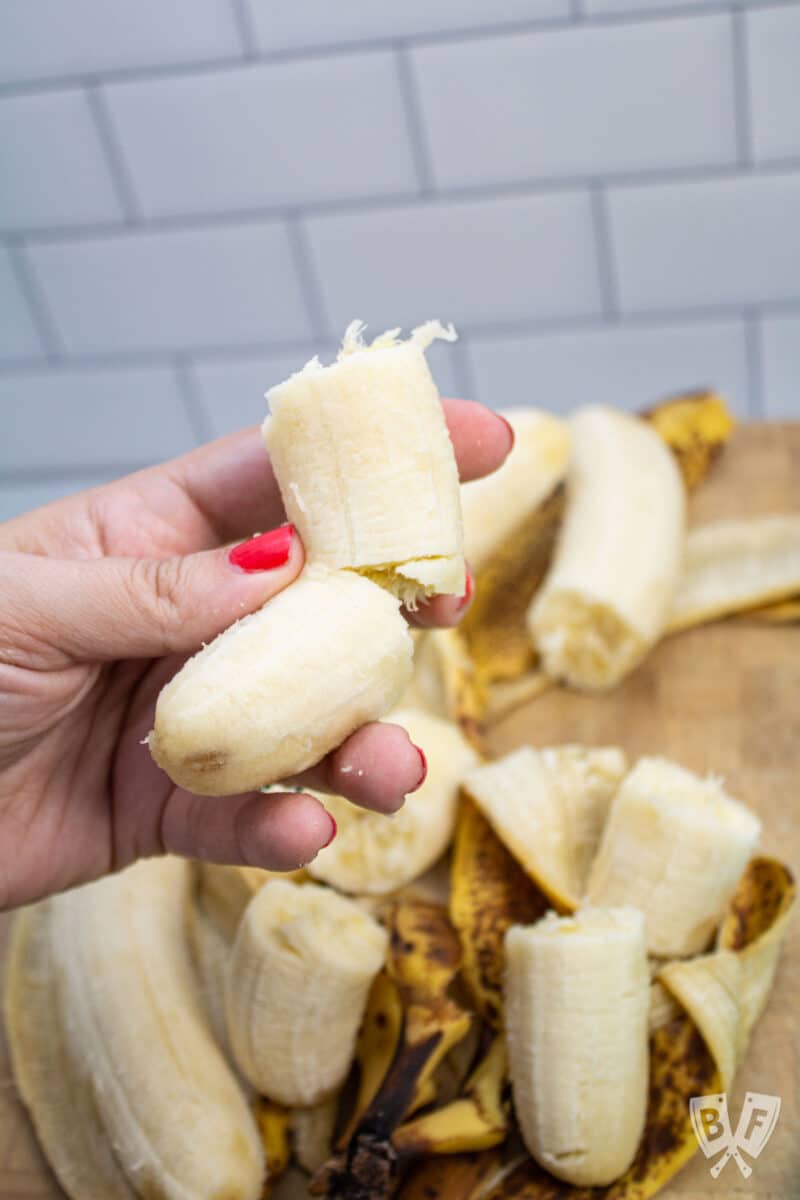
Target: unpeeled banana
(112, 1050)
(374, 855)
(609, 591)
(298, 978)
(367, 473)
(674, 846)
(577, 998)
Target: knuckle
(161, 585)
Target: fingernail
(263, 552)
(424, 767)
(469, 588)
(510, 429)
(334, 830)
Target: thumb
(111, 608)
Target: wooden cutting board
(725, 698)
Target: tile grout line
(191, 399)
(121, 178)
(510, 189)
(243, 19)
(302, 258)
(753, 334)
(604, 251)
(470, 333)
(742, 111)
(44, 323)
(661, 12)
(415, 125)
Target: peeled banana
(367, 474)
(374, 855)
(495, 507)
(674, 846)
(735, 565)
(118, 1065)
(365, 465)
(268, 697)
(548, 807)
(577, 997)
(609, 591)
(297, 984)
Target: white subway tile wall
(197, 196)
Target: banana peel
(695, 1052)
(272, 1121)
(458, 1177)
(696, 427)
(489, 891)
(478, 1119)
(502, 669)
(423, 960)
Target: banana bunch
(366, 470)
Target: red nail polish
(510, 429)
(423, 760)
(469, 588)
(265, 551)
(334, 830)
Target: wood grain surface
(725, 698)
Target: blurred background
(198, 195)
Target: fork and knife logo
(712, 1128)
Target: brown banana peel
(424, 958)
(457, 1177)
(489, 891)
(476, 1120)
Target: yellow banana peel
(489, 891)
(273, 1125)
(696, 427)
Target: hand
(102, 597)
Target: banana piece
(209, 948)
(312, 1133)
(588, 779)
(520, 799)
(577, 996)
(373, 854)
(225, 891)
(298, 979)
(674, 846)
(735, 565)
(494, 507)
(609, 591)
(54, 1082)
(135, 1033)
(365, 465)
(283, 686)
